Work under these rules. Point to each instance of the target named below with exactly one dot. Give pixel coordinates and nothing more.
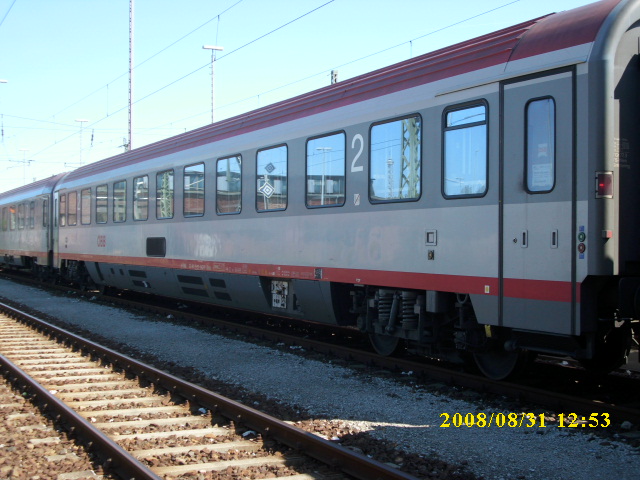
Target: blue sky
(66, 60)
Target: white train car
(25, 235)
(478, 201)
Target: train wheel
(385, 345)
(500, 364)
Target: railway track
(565, 401)
(148, 424)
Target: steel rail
(348, 461)
(118, 458)
(541, 397)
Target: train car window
(72, 216)
(164, 195)
(229, 185)
(85, 206)
(540, 148)
(32, 214)
(141, 198)
(12, 217)
(272, 179)
(21, 216)
(465, 152)
(395, 160)
(326, 184)
(45, 212)
(120, 201)
(62, 214)
(5, 219)
(193, 200)
(102, 196)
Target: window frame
(191, 214)
(526, 145)
(72, 213)
(239, 210)
(13, 211)
(116, 198)
(444, 129)
(45, 212)
(173, 194)
(62, 212)
(21, 219)
(100, 202)
(85, 211)
(265, 149)
(136, 200)
(306, 170)
(32, 214)
(375, 201)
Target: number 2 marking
(354, 167)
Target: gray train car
(477, 202)
(26, 240)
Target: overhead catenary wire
(231, 52)
(194, 71)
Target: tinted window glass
(21, 216)
(271, 174)
(72, 218)
(395, 172)
(326, 171)
(85, 206)
(194, 190)
(45, 213)
(465, 152)
(63, 210)
(540, 160)
(120, 201)
(101, 203)
(164, 194)
(229, 185)
(141, 198)
(32, 214)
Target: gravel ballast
(395, 411)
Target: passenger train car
(480, 201)
(26, 233)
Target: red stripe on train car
(516, 288)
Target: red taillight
(604, 184)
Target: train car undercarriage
(443, 325)
(436, 324)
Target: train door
(55, 230)
(537, 193)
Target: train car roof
(41, 187)
(550, 33)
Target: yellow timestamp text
(523, 419)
